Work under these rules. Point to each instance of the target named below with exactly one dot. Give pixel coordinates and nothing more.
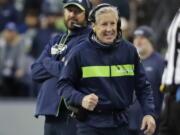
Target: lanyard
(63, 40)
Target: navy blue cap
(82, 4)
(11, 26)
(145, 31)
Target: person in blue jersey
(153, 63)
(47, 68)
(98, 82)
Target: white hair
(109, 9)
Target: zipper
(62, 43)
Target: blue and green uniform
(112, 73)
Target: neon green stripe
(95, 71)
(122, 70)
(104, 71)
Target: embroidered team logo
(58, 49)
(149, 69)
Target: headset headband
(91, 17)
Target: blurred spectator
(12, 64)
(30, 27)
(32, 4)
(163, 15)
(8, 13)
(45, 33)
(19, 5)
(155, 13)
(53, 6)
(56, 7)
(153, 64)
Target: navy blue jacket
(154, 66)
(112, 73)
(47, 68)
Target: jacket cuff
(78, 99)
(152, 114)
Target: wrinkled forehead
(105, 17)
(107, 11)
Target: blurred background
(25, 28)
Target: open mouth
(109, 35)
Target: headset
(92, 18)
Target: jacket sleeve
(143, 88)
(68, 81)
(46, 66)
(53, 66)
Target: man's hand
(149, 123)
(89, 102)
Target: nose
(109, 27)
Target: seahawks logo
(58, 49)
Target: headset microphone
(77, 25)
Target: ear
(94, 27)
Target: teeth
(108, 34)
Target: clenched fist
(89, 102)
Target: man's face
(31, 20)
(105, 27)
(9, 35)
(141, 43)
(74, 15)
(51, 20)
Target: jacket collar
(79, 31)
(93, 39)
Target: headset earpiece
(119, 26)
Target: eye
(113, 23)
(104, 24)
